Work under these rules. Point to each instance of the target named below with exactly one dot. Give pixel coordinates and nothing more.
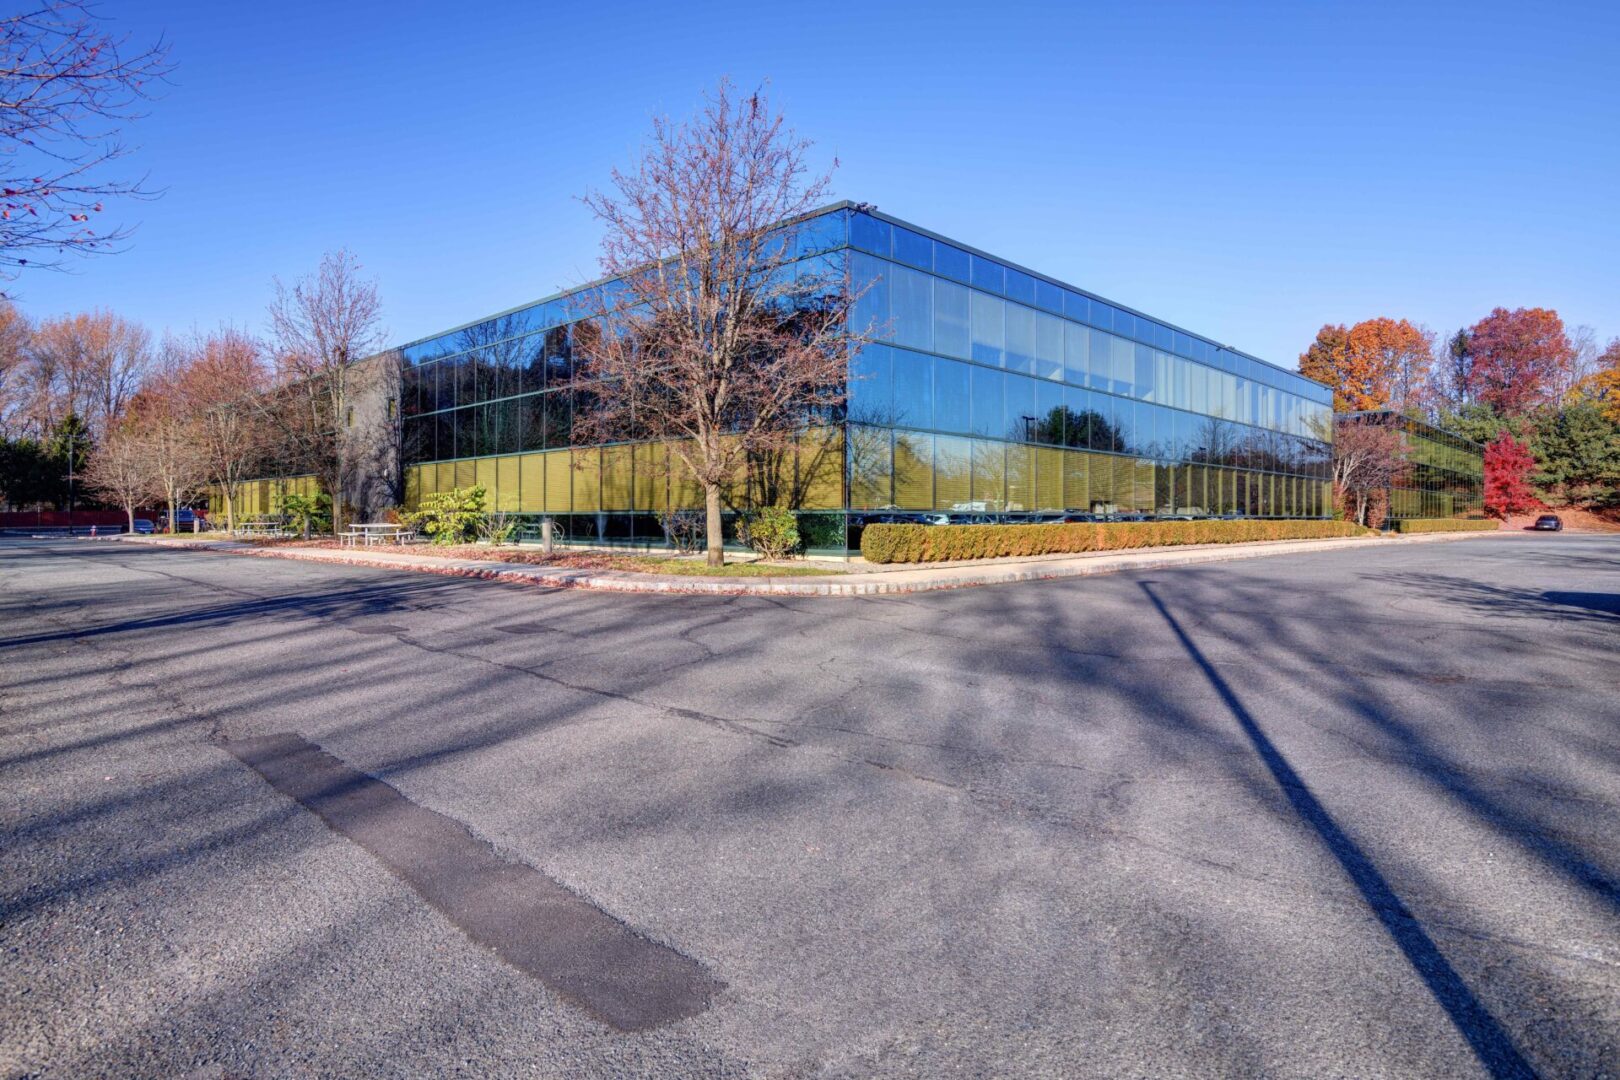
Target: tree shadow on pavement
(1490, 1042)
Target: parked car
(1549, 523)
(143, 527)
(1080, 516)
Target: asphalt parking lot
(1343, 813)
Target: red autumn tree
(1375, 364)
(1508, 464)
(1517, 359)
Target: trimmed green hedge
(1427, 525)
(937, 543)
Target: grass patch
(655, 565)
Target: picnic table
(260, 527)
(375, 532)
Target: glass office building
(1443, 475)
(993, 392)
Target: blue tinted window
(1076, 348)
(870, 314)
(1020, 287)
(1162, 337)
(951, 319)
(951, 262)
(1077, 420)
(952, 394)
(987, 328)
(1020, 348)
(913, 389)
(987, 274)
(1142, 376)
(1124, 323)
(911, 307)
(1182, 344)
(988, 402)
(869, 234)
(821, 233)
(1102, 360)
(1049, 411)
(1076, 306)
(1048, 346)
(871, 396)
(1102, 316)
(913, 249)
(1048, 296)
(1021, 416)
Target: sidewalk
(863, 582)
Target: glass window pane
(869, 234)
(951, 396)
(1049, 412)
(987, 328)
(1020, 351)
(913, 389)
(871, 397)
(1021, 416)
(913, 471)
(951, 262)
(1048, 296)
(987, 274)
(1076, 348)
(1123, 374)
(953, 473)
(1076, 416)
(1142, 373)
(1020, 286)
(951, 319)
(1048, 346)
(870, 314)
(911, 308)
(988, 402)
(912, 249)
(1102, 363)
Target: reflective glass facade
(1444, 473)
(991, 391)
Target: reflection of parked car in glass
(1549, 523)
(1080, 516)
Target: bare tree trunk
(129, 511)
(171, 530)
(711, 500)
(230, 513)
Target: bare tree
(67, 88)
(321, 327)
(706, 338)
(225, 369)
(15, 331)
(1368, 456)
(88, 365)
(168, 445)
(118, 468)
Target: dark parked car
(1549, 523)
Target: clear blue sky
(1247, 171)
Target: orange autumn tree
(1376, 364)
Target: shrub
(771, 531)
(936, 543)
(497, 528)
(683, 529)
(449, 517)
(1431, 525)
(308, 513)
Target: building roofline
(871, 208)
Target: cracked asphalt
(1330, 814)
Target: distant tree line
(1543, 400)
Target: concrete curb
(875, 583)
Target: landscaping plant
(772, 532)
(308, 513)
(937, 543)
(449, 517)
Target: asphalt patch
(529, 920)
